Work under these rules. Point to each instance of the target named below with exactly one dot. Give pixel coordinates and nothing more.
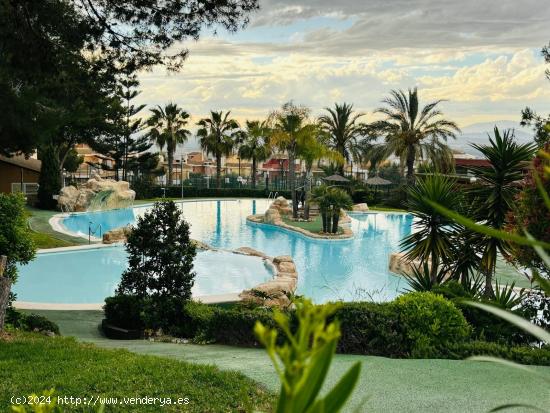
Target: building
(19, 174)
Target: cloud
(480, 55)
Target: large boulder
(96, 194)
(117, 235)
(363, 207)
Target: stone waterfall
(97, 194)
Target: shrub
(30, 322)
(196, 319)
(519, 354)
(124, 311)
(431, 322)
(370, 328)
(50, 178)
(235, 326)
(485, 326)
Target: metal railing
(94, 231)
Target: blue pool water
(90, 275)
(354, 269)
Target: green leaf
(316, 375)
(525, 325)
(482, 229)
(543, 283)
(338, 396)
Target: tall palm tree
(217, 135)
(255, 145)
(343, 129)
(168, 129)
(287, 126)
(432, 242)
(411, 131)
(310, 148)
(494, 197)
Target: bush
(485, 326)
(196, 319)
(370, 328)
(30, 322)
(124, 311)
(519, 354)
(235, 326)
(431, 322)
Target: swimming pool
(354, 269)
(87, 276)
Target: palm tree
(410, 131)
(310, 148)
(217, 137)
(168, 129)
(494, 197)
(319, 196)
(343, 129)
(255, 145)
(339, 200)
(433, 239)
(287, 127)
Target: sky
(481, 56)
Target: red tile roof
(483, 163)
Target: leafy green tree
(287, 126)
(411, 131)
(255, 145)
(160, 255)
(43, 41)
(168, 128)
(302, 361)
(494, 197)
(540, 124)
(433, 240)
(15, 243)
(217, 136)
(343, 130)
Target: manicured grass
(315, 226)
(383, 208)
(43, 241)
(45, 236)
(33, 363)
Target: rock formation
(277, 208)
(97, 194)
(360, 207)
(275, 292)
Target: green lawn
(33, 363)
(314, 226)
(44, 235)
(388, 385)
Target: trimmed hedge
(418, 325)
(519, 354)
(370, 328)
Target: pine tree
(50, 180)
(124, 143)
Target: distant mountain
(478, 133)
